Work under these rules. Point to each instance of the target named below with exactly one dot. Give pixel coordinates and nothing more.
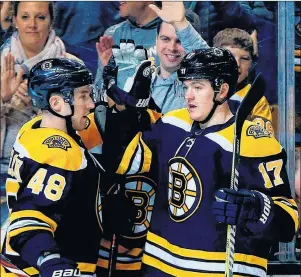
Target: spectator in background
(140, 26)
(80, 23)
(33, 41)
(218, 15)
(172, 43)
(176, 36)
(6, 20)
(240, 44)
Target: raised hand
(127, 56)
(138, 88)
(22, 93)
(171, 12)
(104, 49)
(9, 82)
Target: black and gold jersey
(51, 189)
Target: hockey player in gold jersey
(53, 181)
(190, 150)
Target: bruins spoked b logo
(184, 189)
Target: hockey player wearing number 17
(191, 150)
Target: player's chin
(79, 124)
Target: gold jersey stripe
(129, 152)
(204, 255)
(131, 266)
(12, 186)
(86, 267)
(33, 214)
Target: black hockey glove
(110, 73)
(251, 210)
(58, 267)
(138, 86)
(119, 213)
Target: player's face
(169, 48)
(244, 61)
(123, 9)
(83, 103)
(199, 98)
(33, 23)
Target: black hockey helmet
(215, 64)
(58, 75)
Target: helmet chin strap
(67, 118)
(215, 105)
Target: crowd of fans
(86, 31)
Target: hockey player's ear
(223, 92)
(55, 102)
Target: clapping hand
(104, 49)
(9, 81)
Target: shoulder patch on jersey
(257, 131)
(57, 141)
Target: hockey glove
(119, 213)
(57, 267)
(137, 92)
(127, 57)
(251, 210)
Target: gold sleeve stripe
(128, 154)
(86, 267)
(175, 271)
(147, 157)
(26, 229)
(35, 214)
(12, 186)
(16, 232)
(119, 266)
(154, 116)
(199, 254)
(291, 201)
(293, 213)
(31, 271)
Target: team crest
(141, 190)
(147, 71)
(57, 141)
(46, 65)
(217, 52)
(184, 189)
(257, 131)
